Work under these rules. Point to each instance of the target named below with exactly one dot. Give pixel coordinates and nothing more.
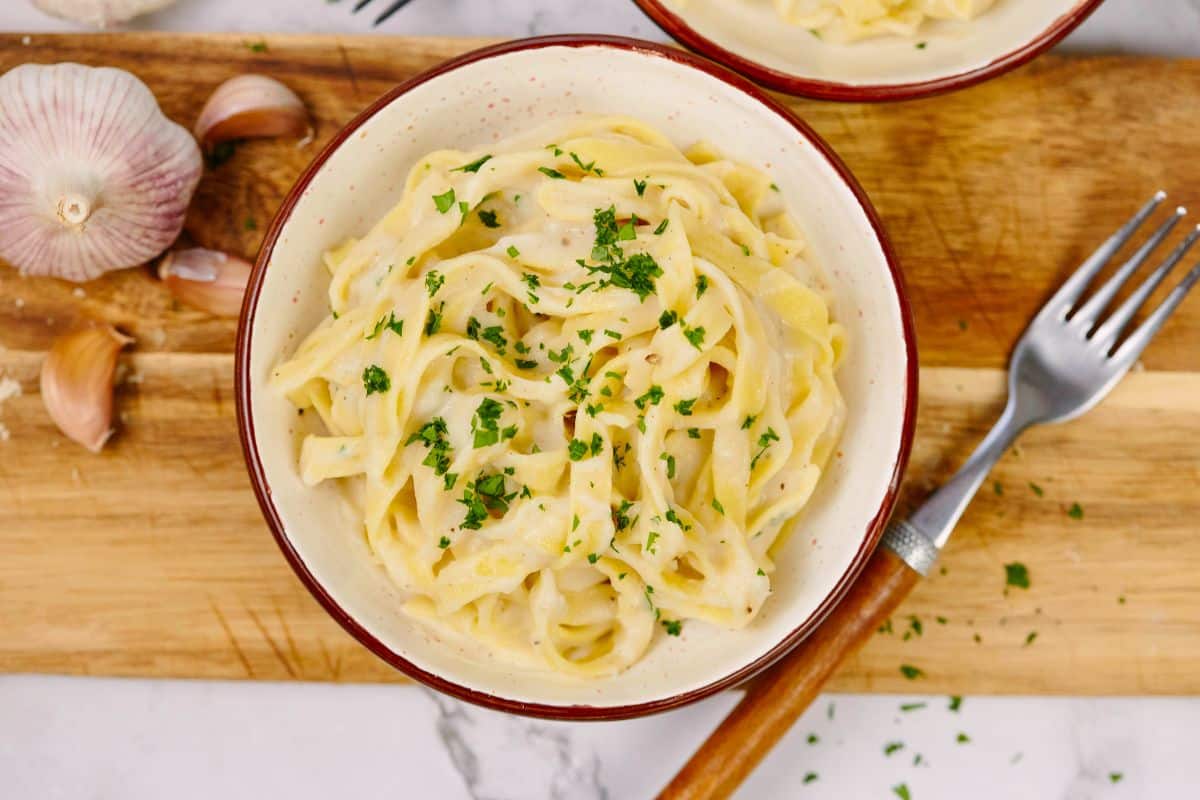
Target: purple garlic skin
(93, 176)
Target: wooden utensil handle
(776, 700)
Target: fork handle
(920, 538)
(774, 701)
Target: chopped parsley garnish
(637, 274)
(998, 488)
(640, 186)
(748, 423)
(523, 364)
(388, 323)
(577, 449)
(653, 397)
(449, 479)
(485, 425)
(684, 407)
(673, 626)
(716, 504)
(589, 167)
(764, 442)
(911, 672)
(375, 380)
(892, 747)
(901, 791)
(444, 542)
(745, 249)
(693, 433)
(488, 218)
(662, 227)
(555, 149)
(1016, 574)
(1036, 489)
(444, 202)
(586, 335)
(701, 286)
(433, 322)
(628, 231)
(593, 558)
(434, 281)
(906, 707)
(534, 283)
(621, 519)
(473, 166)
(955, 702)
(552, 173)
(487, 288)
(433, 435)
(593, 410)
(674, 517)
(962, 738)
(512, 251)
(695, 336)
(670, 459)
(1029, 639)
(667, 318)
(650, 540)
(1076, 511)
(483, 495)
(597, 444)
(808, 778)
(575, 524)
(1115, 777)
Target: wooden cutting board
(152, 560)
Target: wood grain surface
(152, 559)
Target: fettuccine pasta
(852, 20)
(577, 383)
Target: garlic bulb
(251, 106)
(77, 384)
(93, 177)
(100, 13)
(207, 280)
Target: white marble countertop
(73, 738)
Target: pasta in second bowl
(583, 386)
(867, 50)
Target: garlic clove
(250, 107)
(100, 13)
(77, 383)
(206, 279)
(93, 176)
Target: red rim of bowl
(675, 26)
(550, 711)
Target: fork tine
(392, 9)
(1108, 333)
(360, 6)
(1089, 313)
(1066, 297)
(1137, 341)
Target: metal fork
(387, 13)
(1067, 361)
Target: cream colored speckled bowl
(749, 36)
(491, 94)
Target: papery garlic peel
(206, 279)
(93, 176)
(251, 107)
(77, 383)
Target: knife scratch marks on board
(349, 68)
(334, 667)
(287, 634)
(237, 648)
(279, 654)
(978, 306)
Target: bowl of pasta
(568, 401)
(869, 50)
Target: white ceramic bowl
(751, 38)
(491, 94)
